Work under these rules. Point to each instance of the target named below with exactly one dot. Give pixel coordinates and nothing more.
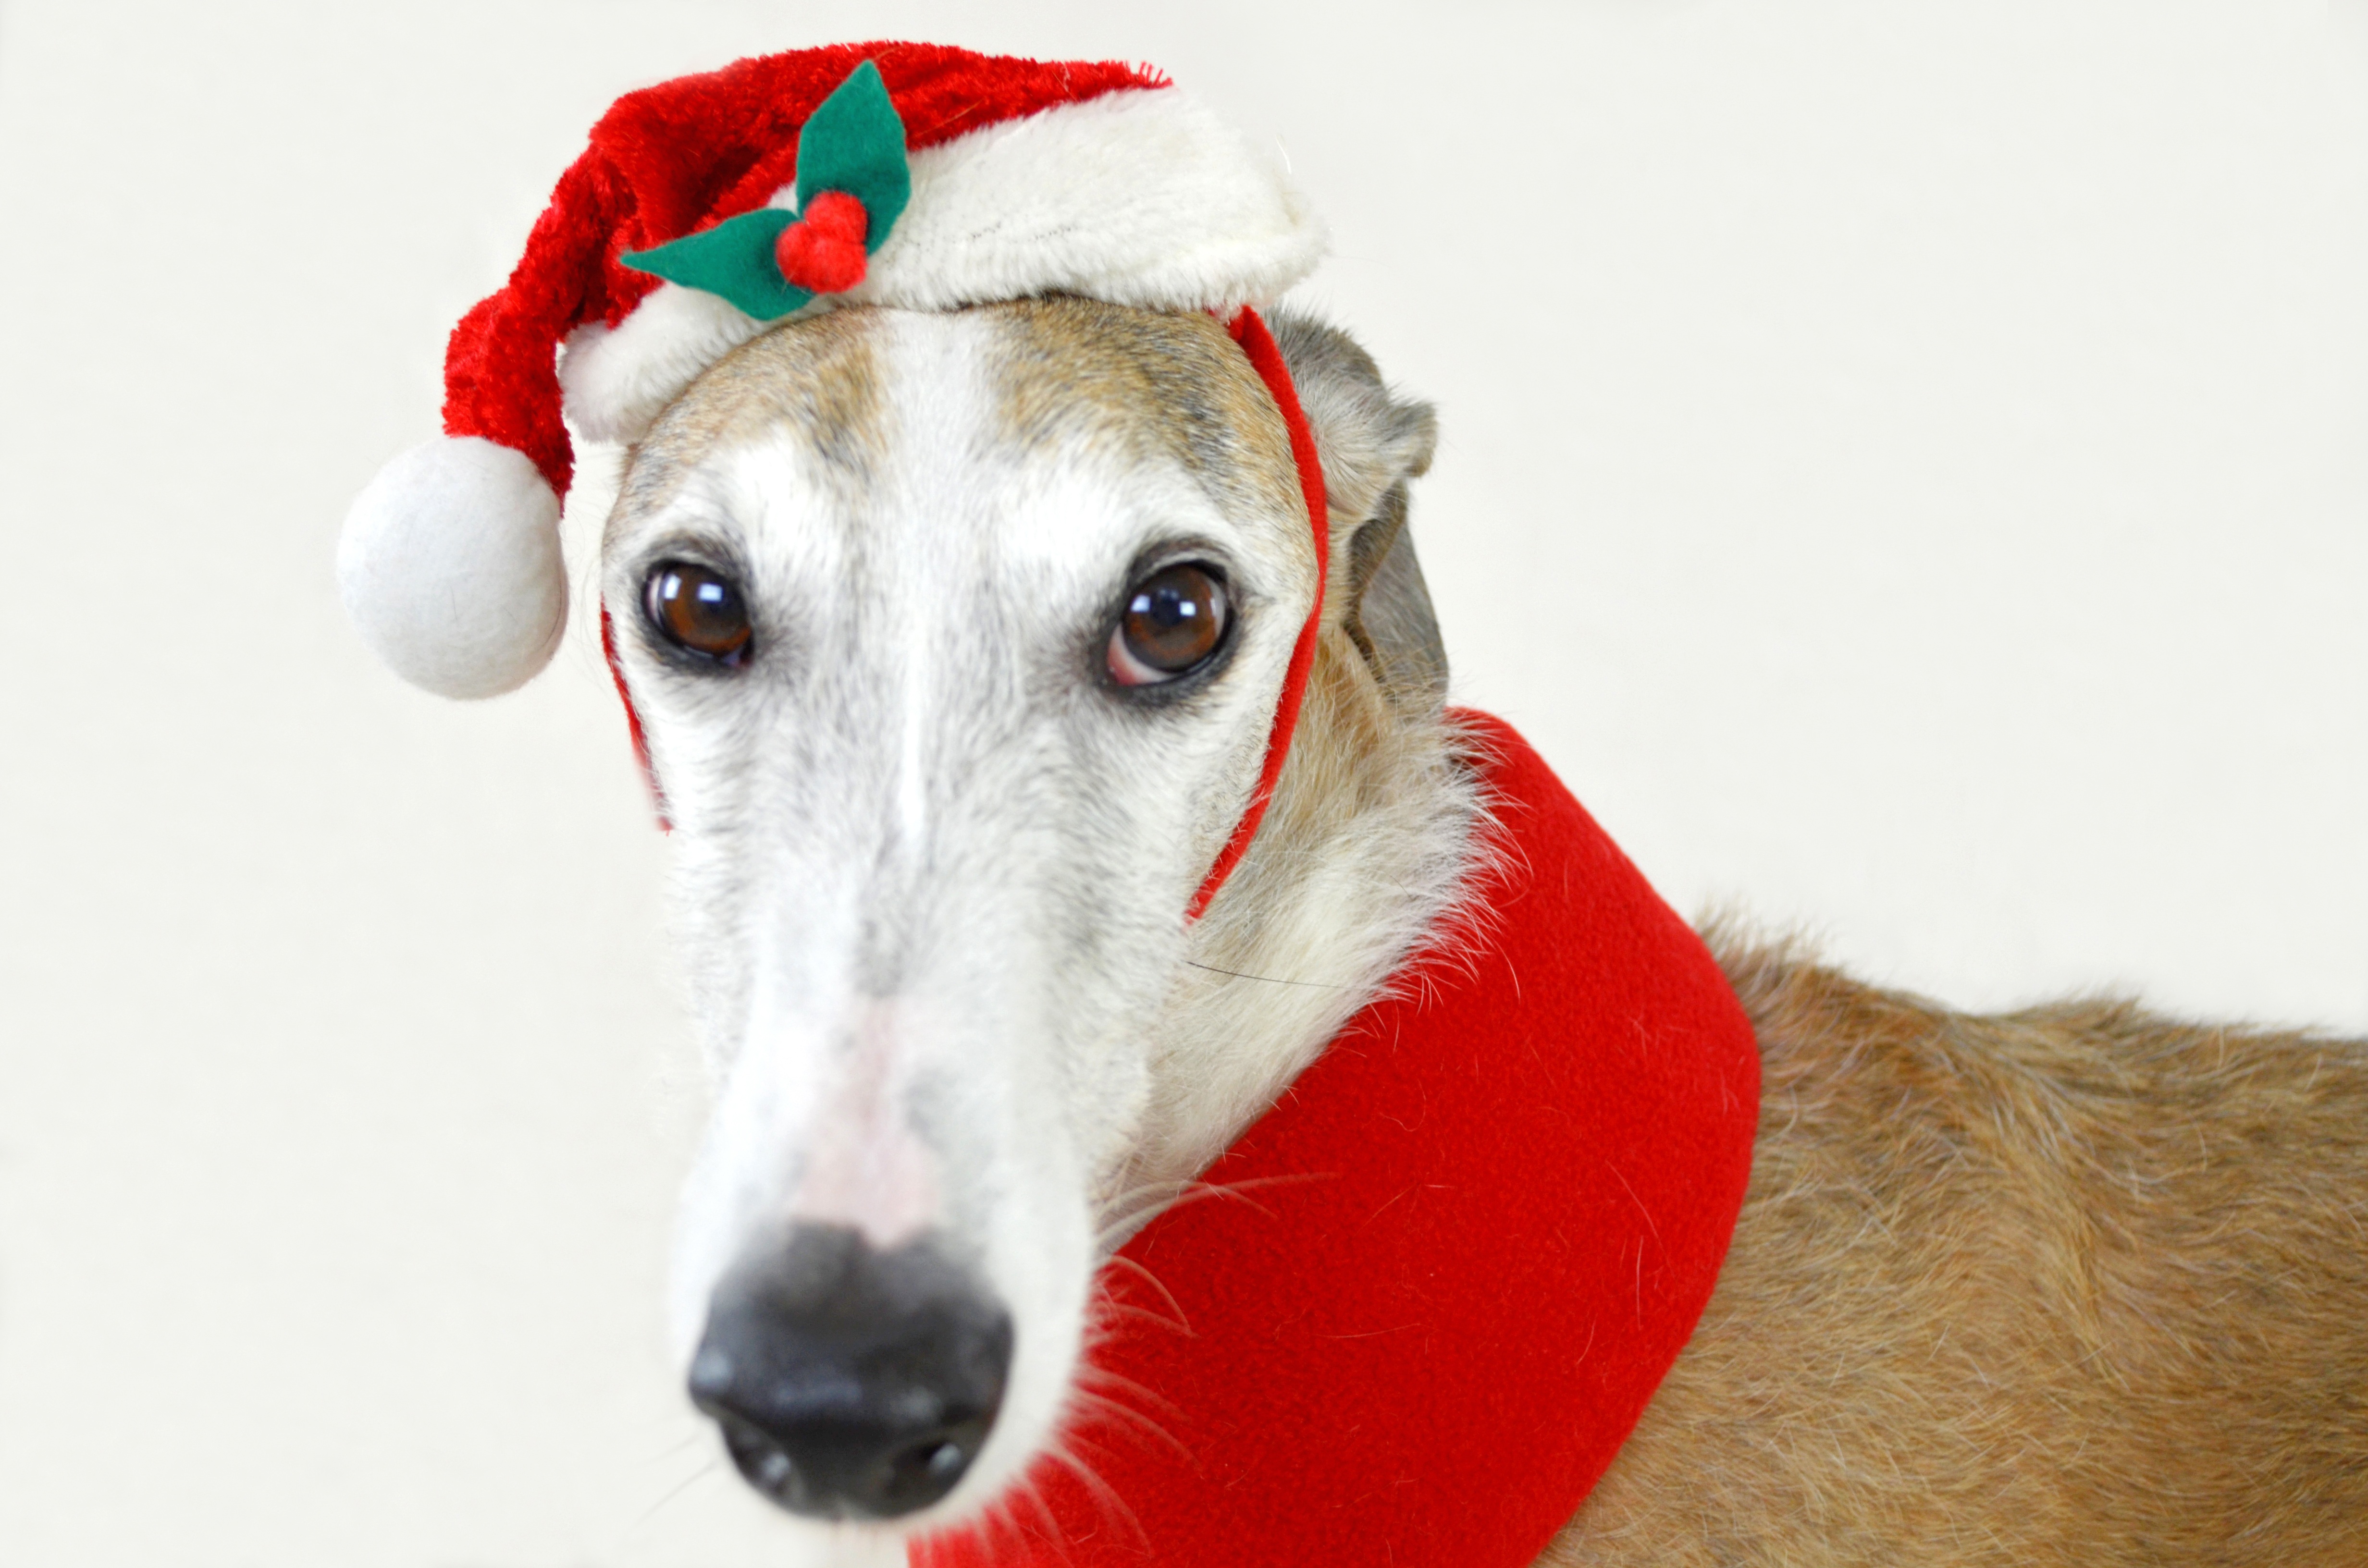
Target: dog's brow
(819, 379)
(1170, 385)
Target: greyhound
(955, 637)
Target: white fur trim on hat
(449, 565)
(614, 381)
(1140, 197)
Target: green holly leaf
(853, 142)
(734, 259)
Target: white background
(1906, 465)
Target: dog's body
(2065, 1287)
(2071, 1286)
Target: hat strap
(1250, 330)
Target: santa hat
(708, 208)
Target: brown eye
(697, 610)
(1171, 622)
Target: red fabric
(1459, 1257)
(1250, 332)
(501, 373)
(678, 156)
(632, 718)
(823, 251)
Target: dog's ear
(1371, 444)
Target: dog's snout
(852, 1382)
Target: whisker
(1034, 1492)
(1250, 1184)
(986, 1531)
(1269, 979)
(1182, 1324)
(685, 1484)
(1127, 1224)
(1118, 1380)
(1180, 1193)
(1112, 1506)
(1237, 1190)
(1104, 1402)
(1112, 1310)
(686, 1440)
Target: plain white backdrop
(1905, 464)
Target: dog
(952, 637)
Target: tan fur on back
(2076, 1285)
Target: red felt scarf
(1468, 1245)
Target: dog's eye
(1172, 621)
(697, 610)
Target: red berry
(823, 251)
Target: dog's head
(957, 639)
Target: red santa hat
(709, 207)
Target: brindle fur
(2073, 1285)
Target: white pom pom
(449, 565)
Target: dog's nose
(851, 1382)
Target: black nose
(850, 1382)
